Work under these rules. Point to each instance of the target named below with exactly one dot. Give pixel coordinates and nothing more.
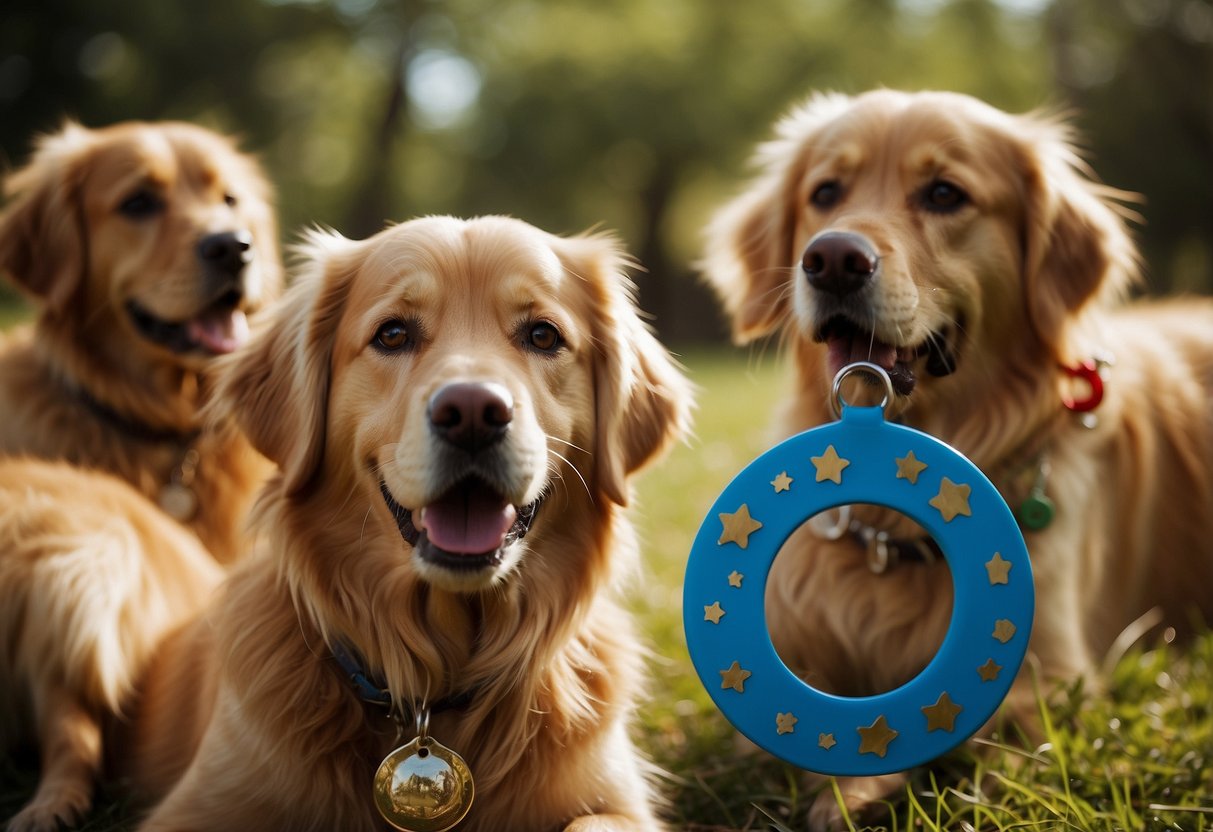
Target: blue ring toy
(859, 459)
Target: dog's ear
(750, 257)
(42, 243)
(1076, 245)
(642, 400)
(276, 389)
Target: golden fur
(96, 417)
(1021, 271)
(88, 587)
(83, 384)
(246, 720)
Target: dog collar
(133, 428)
(883, 551)
(375, 692)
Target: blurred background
(638, 115)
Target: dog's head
(160, 236)
(928, 233)
(458, 387)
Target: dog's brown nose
(839, 262)
(471, 415)
(228, 251)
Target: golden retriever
(455, 408)
(92, 577)
(145, 246)
(969, 253)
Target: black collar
(884, 552)
(134, 429)
(373, 691)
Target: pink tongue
(848, 349)
(468, 521)
(219, 332)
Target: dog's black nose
(228, 251)
(471, 415)
(839, 262)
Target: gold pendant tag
(423, 786)
(178, 501)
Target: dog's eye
(544, 337)
(392, 336)
(826, 194)
(230, 200)
(943, 196)
(140, 205)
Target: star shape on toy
(829, 466)
(989, 671)
(713, 613)
(782, 482)
(909, 467)
(735, 579)
(734, 678)
(952, 499)
(942, 715)
(826, 741)
(738, 527)
(876, 737)
(785, 723)
(1004, 630)
(999, 569)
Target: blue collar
(373, 691)
(367, 690)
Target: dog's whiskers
(566, 461)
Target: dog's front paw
(611, 823)
(861, 801)
(46, 812)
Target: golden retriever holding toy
(968, 253)
(456, 407)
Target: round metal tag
(423, 786)
(859, 459)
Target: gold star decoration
(876, 737)
(829, 466)
(942, 715)
(909, 467)
(782, 482)
(785, 723)
(952, 499)
(999, 569)
(989, 671)
(1004, 630)
(713, 613)
(826, 741)
(738, 527)
(735, 578)
(734, 678)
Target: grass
(1136, 757)
(12, 312)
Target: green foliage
(634, 114)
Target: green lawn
(12, 312)
(1139, 757)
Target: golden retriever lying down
(965, 251)
(455, 407)
(145, 246)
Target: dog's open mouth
(849, 342)
(221, 328)
(466, 529)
